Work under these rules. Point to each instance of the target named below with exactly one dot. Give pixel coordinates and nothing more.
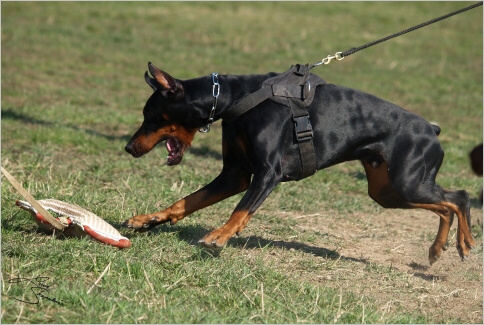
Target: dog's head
(165, 118)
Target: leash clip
(338, 56)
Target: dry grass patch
(383, 258)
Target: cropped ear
(150, 81)
(162, 80)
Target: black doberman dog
(399, 150)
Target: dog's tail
(436, 128)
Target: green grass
(72, 94)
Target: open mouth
(176, 149)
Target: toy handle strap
(53, 221)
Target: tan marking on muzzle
(145, 143)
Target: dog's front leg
(228, 183)
(259, 189)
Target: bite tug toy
(71, 220)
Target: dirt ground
(385, 258)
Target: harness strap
(294, 88)
(40, 209)
(247, 103)
(302, 124)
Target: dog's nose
(132, 149)
(129, 148)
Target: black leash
(341, 55)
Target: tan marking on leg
(380, 188)
(465, 241)
(219, 237)
(138, 221)
(378, 178)
(435, 251)
(464, 237)
(244, 223)
(189, 204)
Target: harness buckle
(303, 128)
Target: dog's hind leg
(414, 179)
(425, 195)
(454, 202)
(441, 240)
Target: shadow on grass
(192, 233)
(422, 271)
(476, 203)
(10, 114)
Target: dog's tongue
(171, 145)
(174, 154)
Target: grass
(72, 94)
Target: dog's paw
(446, 246)
(157, 219)
(470, 242)
(464, 250)
(210, 245)
(140, 222)
(217, 239)
(435, 252)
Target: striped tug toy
(77, 220)
(71, 220)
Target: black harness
(295, 89)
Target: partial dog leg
(259, 189)
(458, 201)
(228, 183)
(441, 240)
(451, 217)
(244, 223)
(451, 220)
(382, 190)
